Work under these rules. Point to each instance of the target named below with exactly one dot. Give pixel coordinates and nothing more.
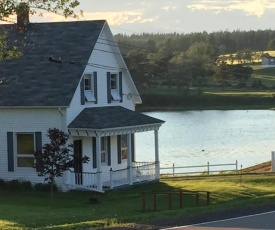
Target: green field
(72, 210)
(213, 96)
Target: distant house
(72, 76)
(268, 61)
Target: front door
(78, 163)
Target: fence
(176, 196)
(202, 169)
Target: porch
(106, 135)
(139, 172)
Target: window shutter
(133, 147)
(120, 86)
(119, 149)
(109, 150)
(82, 93)
(95, 87)
(94, 152)
(109, 97)
(38, 142)
(10, 151)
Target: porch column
(98, 162)
(157, 168)
(129, 160)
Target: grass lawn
(72, 210)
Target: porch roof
(113, 118)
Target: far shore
(140, 108)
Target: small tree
(56, 157)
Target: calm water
(196, 137)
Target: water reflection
(196, 137)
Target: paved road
(262, 221)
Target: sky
(180, 16)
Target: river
(216, 136)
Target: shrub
(14, 185)
(45, 187)
(26, 185)
(3, 184)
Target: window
(114, 84)
(103, 150)
(89, 87)
(123, 147)
(25, 149)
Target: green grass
(72, 210)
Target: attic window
(115, 87)
(89, 87)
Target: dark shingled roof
(33, 80)
(111, 117)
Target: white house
(72, 76)
(268, 61)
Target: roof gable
(54, 58)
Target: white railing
(199, 169)
(84, 179)
(118, 177)
(141, 171)
(144, 171)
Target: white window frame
(89, 88)
(124, 147)
(25, 155)
(115, 86)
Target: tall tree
(222, 74)
(12, 7)
(271, 44)
(64, 7)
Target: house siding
(102, 60)
(25, 120)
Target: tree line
(187, 59)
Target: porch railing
(118, 177)
(83, 179)
(141, 171)
(144, 171)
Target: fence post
(143, 201)
(208, 168)
(169, 200)
(180, 199)
(111, 178)
(173, 169)
(207, 198)
(272, 161)
(236, 165)
(155, 201)
(197, 200)
(241, 176)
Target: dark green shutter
(38, 142)
(94, 152)
(119, 149)
(109, 150)
(133, 146)
(82, 93)
(120, 86)
(10, 151)
(109, 96)
(95, 87)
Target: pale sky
(181, 16)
